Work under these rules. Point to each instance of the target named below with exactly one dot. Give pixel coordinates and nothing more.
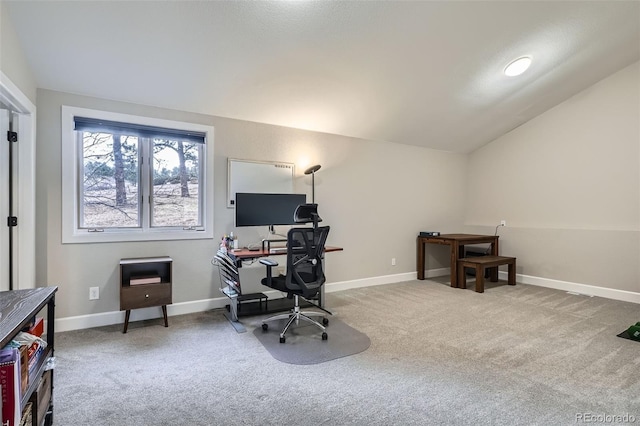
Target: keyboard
(278, 250)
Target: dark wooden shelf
(17, 310)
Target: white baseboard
(117, 317)
(386, 279)
(585, 289)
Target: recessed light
(518, 66)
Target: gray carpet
(514, 355)
(304, 345)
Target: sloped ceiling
(419, 73)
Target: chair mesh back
(305, 271)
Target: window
(129, 178)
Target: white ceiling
(418, 73)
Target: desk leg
(493, 272)
(164, 315)
(233, 308)
(480, 278)
(126, 320)
(494, 248)
(420, 259)
(454, 264)
(461, 276)
(512, 273)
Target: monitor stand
(266, 242)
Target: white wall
(568, 184)
(375, 196)
(12, 61)
(18, 92)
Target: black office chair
(305, 273)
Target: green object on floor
(631, 333)
(634, 332)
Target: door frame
(25, 195)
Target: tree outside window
(134, 178)
(113, 193)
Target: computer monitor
(264, 209)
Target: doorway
(7, 246)
(17, 188)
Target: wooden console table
(457, 243)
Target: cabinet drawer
(145, 295)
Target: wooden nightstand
(144, 283)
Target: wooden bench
(480, 264)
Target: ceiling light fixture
(518, 66)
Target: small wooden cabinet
(145, 282)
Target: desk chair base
(295, 316)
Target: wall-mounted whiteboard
(258, 176)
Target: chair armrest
(268, 262)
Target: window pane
(176, 183)
(110, 181)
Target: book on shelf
(31, 349)
(27, 415)
(10, 384)
(144, 279)
(36, 328)
(36, 350)
(24, 368)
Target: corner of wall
(13, 63)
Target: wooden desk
(254, 254)
(245, 254)
(457, 243)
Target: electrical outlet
(503, 222)
(94, 293)
(393, 261)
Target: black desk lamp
(312, 171)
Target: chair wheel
(265, 327)
(324, 336)
(282, 339)
(325, 321)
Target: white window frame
(71, 233)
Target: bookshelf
(145, 282)
(17, 310)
